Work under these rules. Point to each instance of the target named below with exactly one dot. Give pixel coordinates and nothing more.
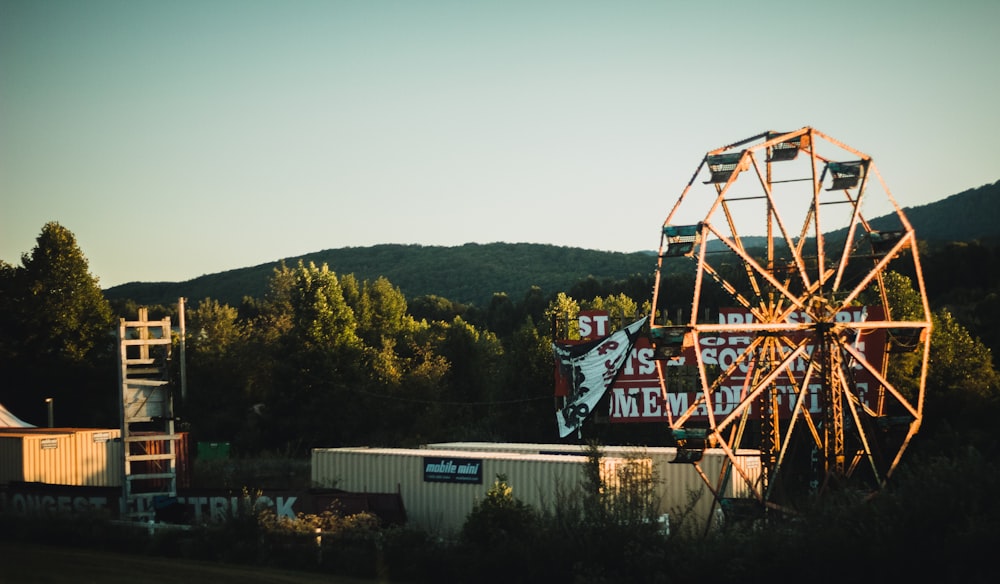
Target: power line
(448, 402)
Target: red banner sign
(636, 395)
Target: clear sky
(178, 138)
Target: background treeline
(325, 358)
(319, 359)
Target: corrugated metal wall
(182, 461)
(537, 479)
(45, 458)
(99, 455)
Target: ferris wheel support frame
(778, 341)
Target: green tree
(904, 304)
(962, 390)
(500, 540)
(562, 313)
(432, 307)
(621, 309)
(528, 382)
(533, 306)
(212, 327)
(958, 362)
(217, 407)
(315, 302)
(500, 315)
(57, 340)
(387, 316)
(62, 308)
(10, 320)
(472, 382)
(499, 518)
(306, 360)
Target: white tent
(9, 420)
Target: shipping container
(48, 457)
(78, 456)
(182, 459)
(440, 487)
(100, 457)
(679, 487)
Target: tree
(63, 310)
(622, 309)
(500, 315)
(387, 316)
(905, 304)
(10, 321)
(304, 357)
(958, 362)
(472, 381)
(57, 341)
(217, 406)
(431, 308)
(313, 299)
(533, 306)
(528, 382)
(212, 327)
(562, 313)
(963, 390)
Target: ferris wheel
(807, 337)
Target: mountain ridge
(472, 272)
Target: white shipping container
(440, 487)
(676, 484)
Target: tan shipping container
(100, 457)
(442, 506)
(61, 456)
(38, 457)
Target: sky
(181, 138)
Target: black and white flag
(590, 369)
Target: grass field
(33, 564)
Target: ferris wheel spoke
(732, 291)
(866, 448)
(755, 285)
(849, 239)
(877, 270)
(758, 388)
(798, 411)
(882, 380)
(751, 262)
(710, 390)
(852, 401)
(773, 210)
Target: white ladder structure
(147, 416)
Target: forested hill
(468, 274)
(968, 216)
(472, 273)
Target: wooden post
(180, 316)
